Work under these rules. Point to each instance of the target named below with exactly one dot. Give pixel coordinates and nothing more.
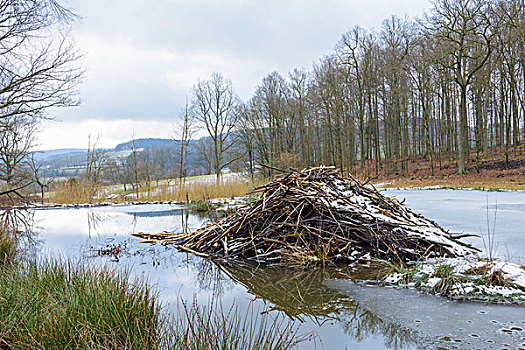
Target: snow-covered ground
(469, 278)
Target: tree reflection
(21, 223)
(210, 276)
(300, 293)
(94, 219)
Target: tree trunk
(462, 149)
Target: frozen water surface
(343, 314)
(440, 322)
(467, 211)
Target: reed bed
(69, 192)
(199, 189)
(61, 305)
(194, 189)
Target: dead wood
(316, 215)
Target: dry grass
(475, 181)
(71, 191)
(199, 190)
(196, 189)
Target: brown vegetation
(492, 173)
(193, 189)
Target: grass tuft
(210, 327)
(496, 278)
(479, 270)
(8, 246)
(60, 305)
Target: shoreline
(482, 182)
(380, 186)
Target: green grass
(61, 305)
(7, 249)
(448, 279)
(210, 327)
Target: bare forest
(446, 90)
(448, 87)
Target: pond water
(344, 315)
(477, 212)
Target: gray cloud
(143, 56)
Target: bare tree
(95, 166)
(17, 138)
(205, 154)
(184, 135)
(38, 177)
(299, 91)
(37, 72)
(465, 30)
(215, 104)
(133, 167)
(37, 58)
(247, 138)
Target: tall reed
(8, 246)
(70, 191)
(196, 190)
(61, 305)
(73, 191)
(211, 327)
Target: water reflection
(94, 219)
(343, 313)
(296, 292)
(300, 293)
(22, 223)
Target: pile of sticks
(316, 215)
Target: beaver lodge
(318, 215)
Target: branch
(14, 190)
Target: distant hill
(71, 161)
(58, 153)
(148, 143)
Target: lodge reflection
(301, 294)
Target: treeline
(446, 87)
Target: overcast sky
(143, 56)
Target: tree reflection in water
(300, 293)
(21, 223)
